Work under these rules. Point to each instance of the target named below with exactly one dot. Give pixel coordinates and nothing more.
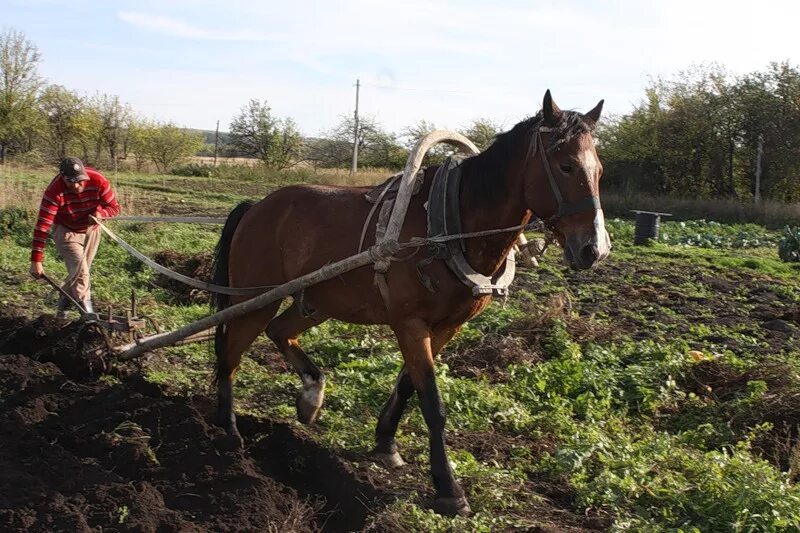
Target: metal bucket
(647, 226)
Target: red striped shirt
(72, 210)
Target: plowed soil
(86, 446)
(116, 454)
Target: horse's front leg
(414, 338)
(385, 451)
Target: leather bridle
(590, 203)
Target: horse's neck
(487, 254)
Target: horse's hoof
(230, 442)
(306, 413)
(389, 460)
(452, 506)
(228, 423)
(309, 402)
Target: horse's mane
(485, 174)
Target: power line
(414, 89)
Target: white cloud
(178, 28)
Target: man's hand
(36, 269)
(98, 214)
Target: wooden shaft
(136, 349)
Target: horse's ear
(550, 109)
(594, 114)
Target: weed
(122, 514)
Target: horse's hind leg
(284, 331)
(238, 335)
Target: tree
(255, 132)
(412, 134)
(376, 147)
(482, 132)
(89, 138)
(111, 121)
(769, 104)
(62, 110)
(698, 135)
(680, 139)
(19, 88)
(166, 144)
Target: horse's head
(563, 182)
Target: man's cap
(73, 170)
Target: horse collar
(444, 218)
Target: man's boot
(61, 308)
(87, 305)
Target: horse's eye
(566, 169)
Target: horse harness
(444, 219)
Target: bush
(243, 172)
(193, 170)
(14, 221)
(789, 246)
(31, 158)
(16, 224)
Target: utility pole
(757, 195)
(216, 144)
(355, 133)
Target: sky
(447, 62)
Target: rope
(197, 284)
(379, 253)
(182, 220)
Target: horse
(545, 166)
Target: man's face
(75, 187)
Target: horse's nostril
(589, 254)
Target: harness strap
(587, 204)
(568, 208)
(444, 220)
(388, 186)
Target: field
(657, 392)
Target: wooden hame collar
(444, 218)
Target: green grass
(614, 396)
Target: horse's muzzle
(584, 255)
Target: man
(72, 197)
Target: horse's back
(301, 228)
(296, 230)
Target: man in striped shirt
(74, 195)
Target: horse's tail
(220, 275)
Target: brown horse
(545, 166)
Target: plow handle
(64, 293)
